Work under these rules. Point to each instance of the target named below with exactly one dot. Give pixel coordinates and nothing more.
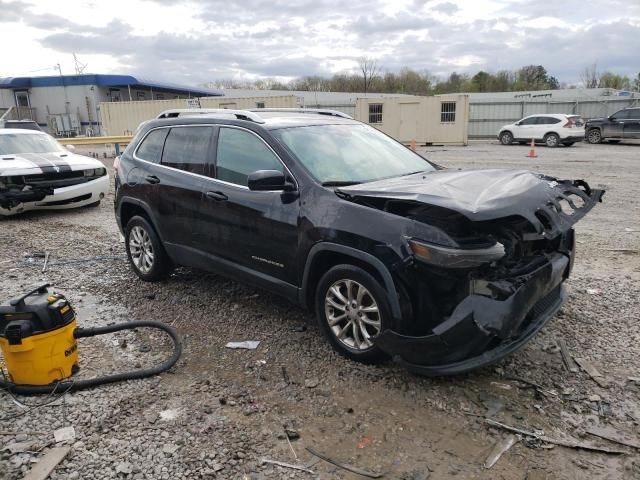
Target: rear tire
(146, 254)
(352, 308)
(594, 136)
(506, 138)
(551, 140)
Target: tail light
(569, 123)
(116, 162)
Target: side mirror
(268, 180)
(518, 124)
(71, 148)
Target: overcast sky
(203, 40)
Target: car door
(632, 124)
(614, 127)
(256, 231)
(527, 128)
(179, 181)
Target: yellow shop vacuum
(39, 345)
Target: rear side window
(548, 120)
(634, 113)
(241, 153)
(151, 147)
(187, 148)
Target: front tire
(506, 138)
(594, 136)
(551, 140)
(352, 309)
(146, 254)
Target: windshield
(12, 143)
(350, 154)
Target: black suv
(622, 125)
(445, 270)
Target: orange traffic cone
(413, 145)
(532, 150)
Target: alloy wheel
(594, 136)
(352, 314)
(141, 249)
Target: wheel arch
(129, 208)
(325, 255)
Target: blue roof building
(70, 104)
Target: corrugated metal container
(487, 117)
(427, 120)
(123, 118)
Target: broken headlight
(455, 257)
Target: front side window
(12, 143)
(621, 115)
(350, 154)
(241, 153)
(187, 148)
(151, 147)
(529, 121)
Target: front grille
(45, 177)
(80, 198)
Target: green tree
(613, 80)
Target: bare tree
(590, 77)
(369, 69)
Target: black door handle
(218, 196)
(152, 179)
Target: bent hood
(33, 163)
(550, 205)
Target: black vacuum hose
(70, 385)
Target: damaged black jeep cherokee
(445, 270)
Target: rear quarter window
(150, 149)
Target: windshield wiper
(339, 183)
(412, 173)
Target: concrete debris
(65, 434)
(311, 382)
(247, 345)
(19, 447)
(125, 468)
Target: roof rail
(318, 111)
(220, 112)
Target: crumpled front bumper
(482, 330)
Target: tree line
(371, 78)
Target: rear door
(632, 124)
(545, 125)
(254, 230)
(179, 179)
(614, 127)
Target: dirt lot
(220, 411)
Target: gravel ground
(218, 412)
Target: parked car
(22, 124)
(551, 129)
(37, 173)
(622, 125)
(448, 270)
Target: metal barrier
(116, 141)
